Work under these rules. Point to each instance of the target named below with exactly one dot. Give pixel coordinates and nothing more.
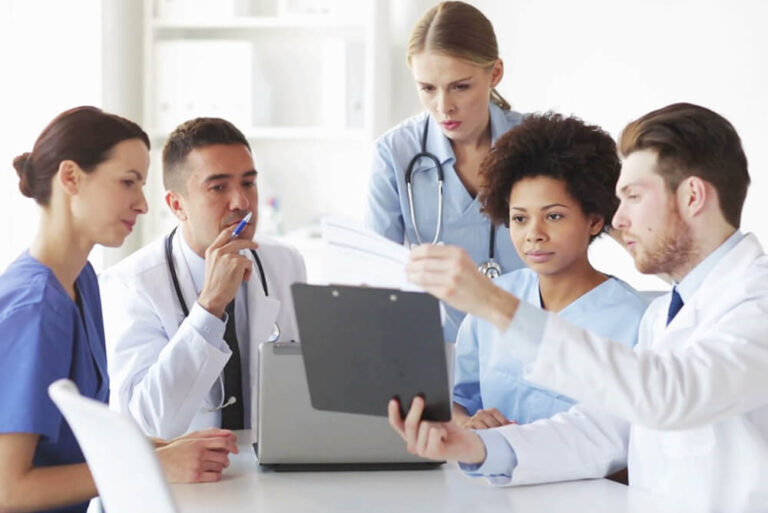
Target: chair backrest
(121, 459)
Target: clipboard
(363, 345)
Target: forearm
(174, 388)
(582, 443)
(163, 383)
(43, 488)
(660, 390)
(498, 308)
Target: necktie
(674, 305)
(232, 415)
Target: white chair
(121, 459)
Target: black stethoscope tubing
(490, 268)
(175, 278)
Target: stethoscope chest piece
(490, 268)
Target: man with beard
(184, 316)
(687, 410)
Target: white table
(245, 488)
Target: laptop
(293, 436)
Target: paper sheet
(354, 255)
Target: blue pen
(241, 225)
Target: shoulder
(619, 293)
(280, 257)
(146, 260)
(757, 270)
(518, 281)
(407, 133)
(272, 248)
(30, 288)
(35, 313)
(512, 117)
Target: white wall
(607, 61)
(611, 61)
(50, 60)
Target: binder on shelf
(343, 83)
(192, 79)
(196, 9)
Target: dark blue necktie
(674, 305)
(232, 416)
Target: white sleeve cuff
(210, 327)
(525, 333)
(500, 458)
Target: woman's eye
(129, 183)
(518, 219)
(217, 188)
(555, 216)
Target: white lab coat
(695, 393)
(162, 371)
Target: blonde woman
(425, 177)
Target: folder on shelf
(192, 79)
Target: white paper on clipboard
(354, 255)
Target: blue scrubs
(45, 337)
(388, 212)
(486, 376)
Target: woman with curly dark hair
(551, 180)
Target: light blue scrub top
(45, 337)
(388, 212)
(487, 376)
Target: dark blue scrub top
(44, 336)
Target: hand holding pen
(226, 268)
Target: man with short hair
(185, 315)
(689, 405)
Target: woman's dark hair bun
(23, 165)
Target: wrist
(477, 452)
(211, 305)
(499, 308)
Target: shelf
(289, 133)
(314, 22)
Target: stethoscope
(490, 267)
(175, 279)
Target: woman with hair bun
(425, 177)
(86, 172)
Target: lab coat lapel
(262, 310)
(262, 315)
(185, 278)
